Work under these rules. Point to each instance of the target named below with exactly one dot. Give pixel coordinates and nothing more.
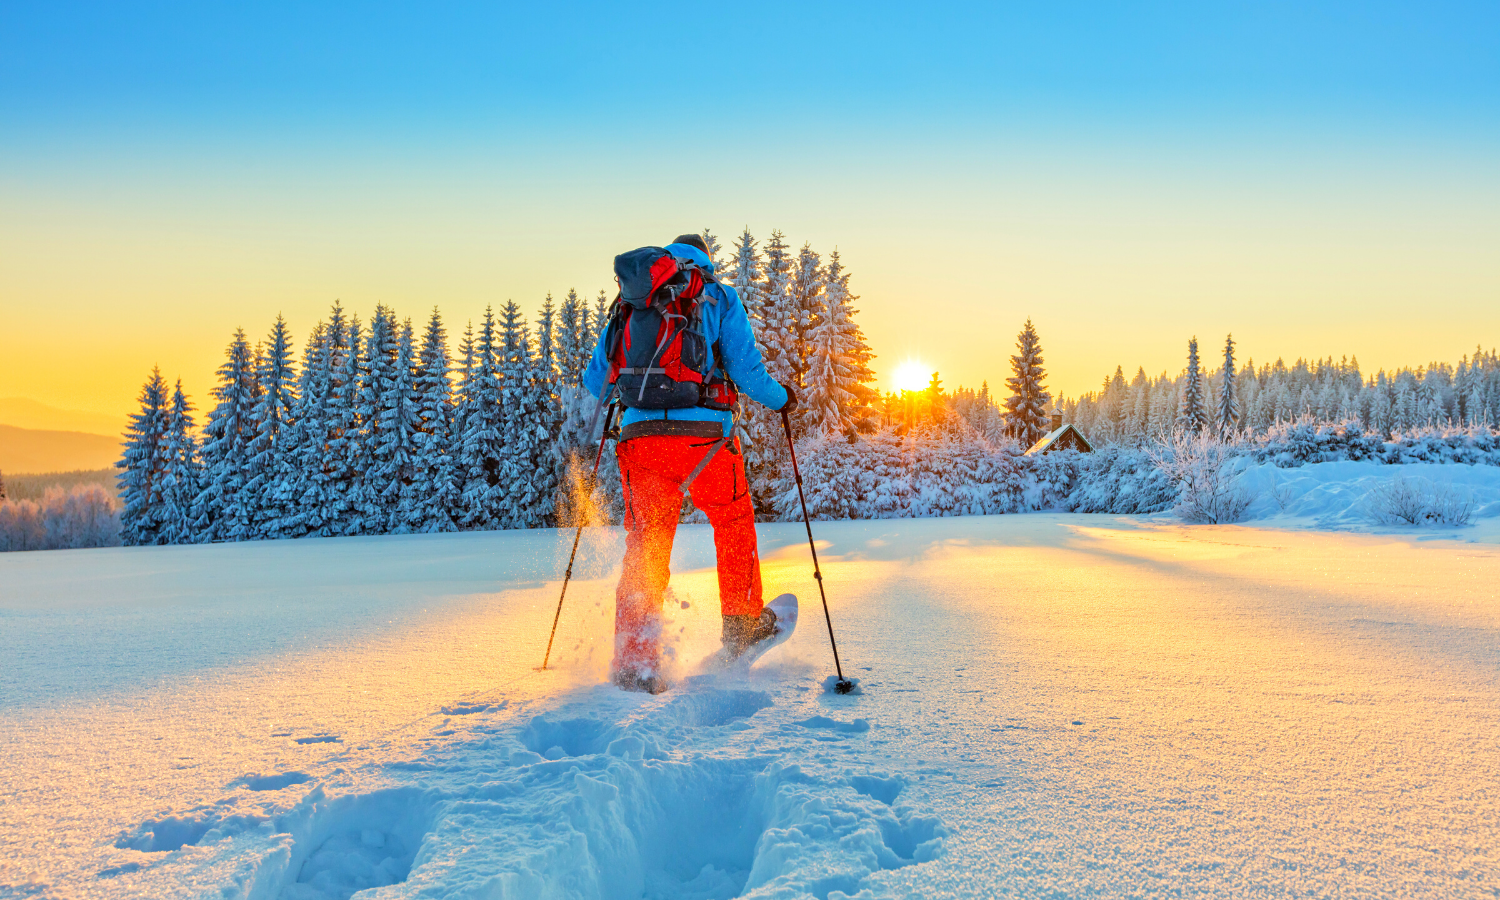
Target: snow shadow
(178, 831)
(352, 843)
(276, 782)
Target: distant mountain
(23, 412)
(25, 450)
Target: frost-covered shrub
(1206, 472)
(84, 516)
(1294, 444)
(1464, 446)
(1297, 444)
(1417, 501)
(1119, 480)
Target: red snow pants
(652, 470)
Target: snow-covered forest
(1258, 399)
(381, 427)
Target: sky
(1315, 178)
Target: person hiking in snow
(677, 351)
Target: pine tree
(222, 511)
(778, 313)
(744, 274)
(714, 248)
(437, 497)
(528, 472)
(182, 477)
(1026, 407)
(1192, 417)
(807, 300)
(143, 466)
(1229, 403)
(308, 484)
(375, 463)
(838, 394)
(273, 414)
(346, 438)
(482, 442)
(398, 450)
(573, 345)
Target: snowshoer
(678, 347)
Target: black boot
(740, 632)
(639, 683)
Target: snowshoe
(747, 638)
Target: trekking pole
(843, 685)
(568, 575)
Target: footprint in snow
(858, 726)
(471, 707)
(271, 782)
(320, 739)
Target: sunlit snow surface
(1051, 706)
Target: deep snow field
(1052, 705)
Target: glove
(791, 399)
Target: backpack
(658, 355)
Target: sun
(912, 375)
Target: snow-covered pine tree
(744, 274)
(398, 450)
(222, 509)
(143, 466)
(528, 472)
(274, 409)
(778, 313)
(573, 345)
(600, 320)
(435, 496)
(714, 247)
(346, 438)
(374, 462)
(807, 296)
(838, 394)
(461, 408)
(1228, 412)
(182, 477)
(306, 483)
(1193, 417)
(1026, 410)
(774, 317)
(482, 442)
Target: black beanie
(692, 240)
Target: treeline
(378, 429)
(1253, 400)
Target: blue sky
(1302, 174)
(495, 68)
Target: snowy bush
(1301, 443)
(1418, 501)
(1121, 481)
(84, 516)
(1295, 444)
(1206, 472)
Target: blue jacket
(724, 321)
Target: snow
(1049, 705)
(1336, 495)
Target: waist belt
(639, 370)
(675, 427)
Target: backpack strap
(718, 445)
